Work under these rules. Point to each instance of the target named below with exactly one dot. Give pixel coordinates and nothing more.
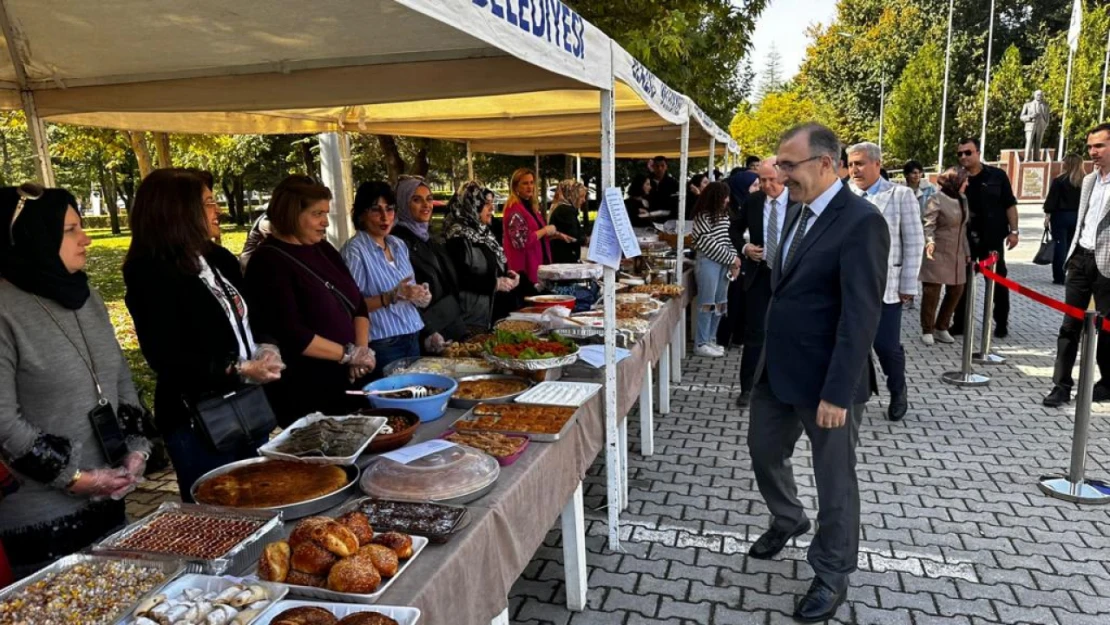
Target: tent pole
(332, 146)
(683, 172)
(35, 128)
(540, 194)
(613, 469)
(578, 167)
(712, 158)
(469, 162)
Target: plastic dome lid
(449, 474)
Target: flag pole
(1064, 119)
(1105, 67)
(944, 99)
(987, 83)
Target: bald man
(756, 230)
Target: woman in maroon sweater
(302, 294)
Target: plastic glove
(422, 296)
(435, 344)
(261, 371)
(135, 463)
(505, 285)
(403, 291)
(269, 353)
(98, 484)
(362, 357)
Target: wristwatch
(1016, 231)
(348, 352)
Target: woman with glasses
(63, 379)
(483, 270)
(185, 294)
(380, 265)
(432, 266)
(303, 295)
(718, 263)
(527, 236)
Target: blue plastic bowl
(427, 408)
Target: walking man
(1088, 273)
(902, 212)
(826, 299)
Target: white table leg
(501, 619)
(624, 465)
(677, 345)
(574, 551)
(665, 381)
(647, 415)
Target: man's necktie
(799, 234)
(771, 245)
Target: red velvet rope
(1069, 310)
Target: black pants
(888, 347)
(756, 300)
(1001, 295)
(1063, 230)
(1083, 282)
(731, 329)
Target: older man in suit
(755, 230)
(826, 299)
(1088, 273)
(902, 212)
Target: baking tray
(462, 518)
(538, 438)
(233, 562)
(470, 403)
(535, 364)
(270, 449)
(295, 510)
(569, 394)
(403, 615)
(172, 569)
(507, 460)
(323, 594)
(209, 583)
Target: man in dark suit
(762, 218)
(827, 285)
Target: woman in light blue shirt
(380, 265)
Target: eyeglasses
(965, 152)
(26, 192)
(787, 167)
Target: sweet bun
(401, 544)
(273, 566)
(326, 533)
(366, 618)
(312, 559)
(384, 559)
(359, 524)
(305, 615)
(356, 574)
(298, 578)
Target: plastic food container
(455, 475)
(544, 302)
(427, 408)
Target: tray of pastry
(294, 611)
(319, 439)
(204, 599)
(296, 489)
(437, 522)
(85, 589)
(543, 424)
(208, 539)
(342, 559)
(506, 448)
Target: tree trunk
(420, 167)
(394, 164)
(108, 192)
(568, 167)
(142, 152)
(5, 160)
(162, 144)
(227, 183)
(243, 216)
(308, 158)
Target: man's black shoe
(1101, 393)
(773, 540)
(1058, 397)
(743, 399)
(1001, 332)
(899, 404)
(820, 603)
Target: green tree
(913, 114)
(1010, 89)
(770, 77)
(757, 129)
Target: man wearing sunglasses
(992, 226)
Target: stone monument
(1035, 115)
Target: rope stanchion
(1072, 311)
(966, 376)
(984, 356)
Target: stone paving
(954, 531)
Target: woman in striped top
(380, 265)
(718, 263)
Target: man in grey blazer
(826, 298)
(1088, 273)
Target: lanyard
(89, 363)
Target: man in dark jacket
(664, 189)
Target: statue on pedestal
(1035, 115)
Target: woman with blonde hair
(565, 215)
(1061, 210)
(946, 255)
(526, 236)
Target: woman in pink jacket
(526, 234)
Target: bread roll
(305, 615)
(356, 574)
(384, 559)
(298, 578)
(312, 559)
(273, 566)
(366, 618)
(326, 533)
(400, 543)
(359, 525)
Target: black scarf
(29, 251)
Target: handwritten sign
(613, 234)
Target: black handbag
(1047, 251)
(241, 417)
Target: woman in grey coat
(946, 256)
(71, 425)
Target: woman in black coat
(193, 325)
(1061, 209)
(566, 217)
(484, 276)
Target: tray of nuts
(209, 539)
(84, 590)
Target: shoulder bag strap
(347, 304)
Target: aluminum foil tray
(403, 615)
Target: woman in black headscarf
(478, 257)
(71, 425)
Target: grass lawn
(105, 261)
